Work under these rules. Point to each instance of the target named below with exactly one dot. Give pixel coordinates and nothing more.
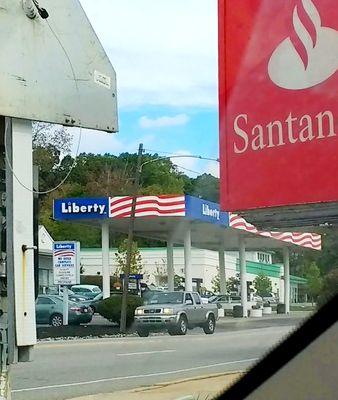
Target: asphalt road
(63, 370)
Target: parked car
(49, 310)
(57, 290)
(228, 302)
(270, 298)
(88, 291)
(206, 295)
(175, 312)
(92, 303)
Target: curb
(179, 381)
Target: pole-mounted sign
(66, 263)
(278, 63)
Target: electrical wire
(159, 152)
(189, 170)
(79, 141)
(19, 180)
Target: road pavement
(63, 370)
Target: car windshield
(166, 298)
(161, 158)
(98, 297)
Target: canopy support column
(170, 265)
(286, 262)
(187, 260)
(242, 268)
(105, 260)
(221, 261)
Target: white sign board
(61, 55)
(66, 263)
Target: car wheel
(56, 320)
(143, 332)
(182, 325)
(92, 309)
(209, 326)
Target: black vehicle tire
(172, 332)
(143, 332)
(209, 326)
(182, 326)
(56, 320)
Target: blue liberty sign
(81, 208)
(206, 211)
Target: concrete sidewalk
(201, 388)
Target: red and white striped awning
(175, 206)
(304, 239)
(147, 206)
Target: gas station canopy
(169, 217)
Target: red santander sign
(278, 93)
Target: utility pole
(123, 322)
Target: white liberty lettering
(73, 208)
(210, 212)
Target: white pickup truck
(175, 312)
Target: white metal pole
(65, 305)
(170, 265)
(187, 260)
(242, 268)
(286, 256)
(105, 260)
(221, 262)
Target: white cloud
(163, 122)
(98, 142)
(212, 168)
(164, 52)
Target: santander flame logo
(309, 56)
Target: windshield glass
(167, 143)
(166, 298)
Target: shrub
(111, 308)
(330, 287)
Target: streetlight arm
(177, 156)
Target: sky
(165, 56)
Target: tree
(161, 275)
(232, 284)
(329, 288)
(179, 281)
(50, 144)
(216, 283)
(262, 284)
(205, 186)
(314, 281)
(136, 265)
(57, 136)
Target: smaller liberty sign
(66, 263)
